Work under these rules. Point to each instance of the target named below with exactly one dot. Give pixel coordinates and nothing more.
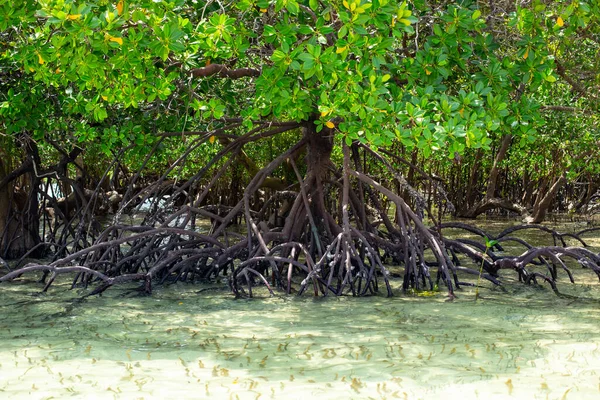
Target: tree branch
(561, 71)
(26, 166)
(224, 72)
(562, 108)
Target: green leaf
(278, 56)
(292, 6)
(306, 57)
(490, 243)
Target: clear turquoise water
(525, 343)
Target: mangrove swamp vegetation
(297, 147)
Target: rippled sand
(525, 343)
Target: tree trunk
(410, 177)
(495, 171)
(19, 220)
(318, 159)
(528, 186)
(4, 209)
(540, 193)
(490, 201)
(473, 173)
(590, 189)
(543, 203)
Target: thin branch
(224, 72)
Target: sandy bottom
(522, 343)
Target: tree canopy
(436, 75)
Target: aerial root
(550, 256)
(334, 250)
(351, 263)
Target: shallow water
(522, 343)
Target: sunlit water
(522, 343)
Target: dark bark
(19, 218)
(330, 241)
(224, 71)
(318, 158)
(543, 203)
(473, 175)
(491, 200)
(590, 189)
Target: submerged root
(336, 239)
(550, 257)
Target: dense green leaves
(442, 79)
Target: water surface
(521, 342)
